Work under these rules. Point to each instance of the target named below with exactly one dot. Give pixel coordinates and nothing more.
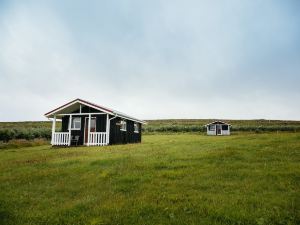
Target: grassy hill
(168, 179)
(42, 129)
(154, 124)
(197, 125)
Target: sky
(157, 59)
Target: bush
(195, 128)
(27, 134)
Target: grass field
(168, 179)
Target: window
(225, 127)
(211, 127)
(76, 123)
(123, 125)
(136, 128)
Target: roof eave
(52, 112)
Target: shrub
(22, 133)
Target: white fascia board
(129, 118)
(72, 103)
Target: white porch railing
(98, 138)
(60, 138)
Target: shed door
(86, 127)
(219, 129)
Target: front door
(86, 127)
(219, 129)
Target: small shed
(218, 128)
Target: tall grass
(32, 130)
(23, 133)
(199, 128)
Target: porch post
(89, 129)
(53, 129)
(70, 125)
(107, 128)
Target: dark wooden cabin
(86, 123)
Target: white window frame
(123, 125)
(136, 128)
(212, 127)
(72, 123)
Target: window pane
(123, 125)
(136, 127)
(93, 123)
(225, 127)
(76, 123)
(212, 127)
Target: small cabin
(89, 124)
(218, 128)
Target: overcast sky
(152, 59)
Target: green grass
(168, 179)
(20, 143)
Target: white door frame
(85, 124)
(219, 125)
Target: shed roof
(73, 105)
(218, 122)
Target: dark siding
(101, 123)
(80, 133)
(116, 135)
(123, 137)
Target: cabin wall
(118, 136)
(100, 126)
(226, 132)
(65, 128)
(211, 132)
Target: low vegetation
(197, 125)
(19, 143)
(33, 130)
(25, 131)
(168, 179)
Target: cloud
(158, 59)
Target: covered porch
(81, 129)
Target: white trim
(113, 118)
(79, 114)
(138, 128)
(61, 138)
(112, 112)
(70, 124)
(53, 129)
(98, 139)
(220, 126)
(122, 123)
(74, 102)
(218, 121)
(212, 125)
(128, 118)
(89, 129)
(107, 129)
(84, 141)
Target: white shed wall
(213, 132)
